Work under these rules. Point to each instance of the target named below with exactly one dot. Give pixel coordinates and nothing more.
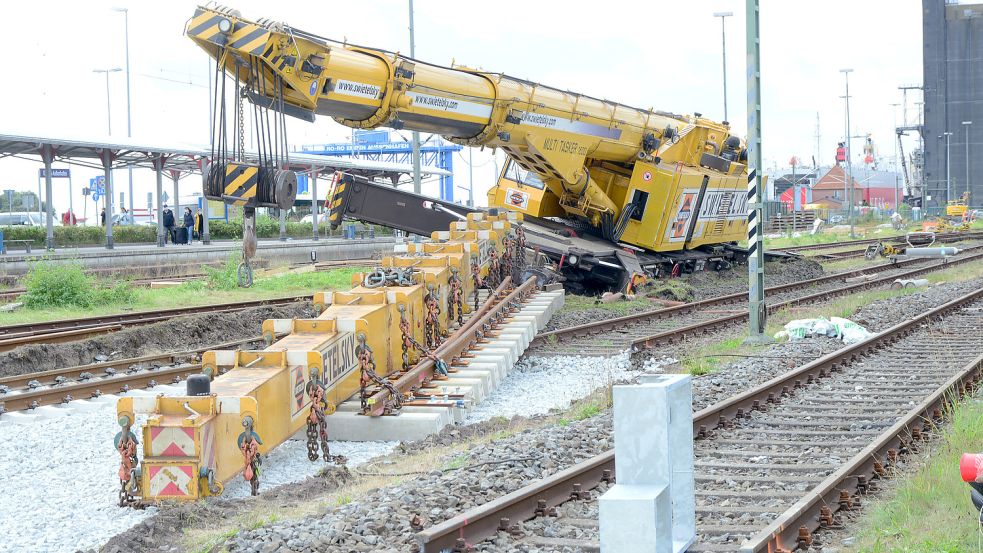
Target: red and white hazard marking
(172, 441)
(171, 480)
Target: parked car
(23, 218)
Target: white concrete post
(652, 508)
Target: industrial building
(953, 88)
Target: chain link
(317, 425)
(241, 154)
(431, 325)
(366, 363)
(455, 300)
(127, 448)
(476, 277)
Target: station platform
(269, 252)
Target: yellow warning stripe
(247, 174)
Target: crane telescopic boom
(656, 181)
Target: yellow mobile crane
(609, 192)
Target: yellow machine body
(571, 156)
(190, 443)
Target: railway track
(777, 462)
(67, 330)
(895, 239)
(33, 390)
(657, 327)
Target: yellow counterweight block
(375, 313)
(458, 259)
(673, 207)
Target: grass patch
(674, 289)
(106, 299)
(827, 237)
(52, 286)
(456, 462)
(710, 358)
(577, 302)
(931, 509)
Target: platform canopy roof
(122, 152)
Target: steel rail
(607, 325)
(41, 329)
(484, 521)
(794, 527)
(898, 238)
(681, 333)
(93, 388)
(96, 386)
(458, 343)
(51, 377)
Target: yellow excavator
(609, 192)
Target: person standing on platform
(189, 223)
(168, 224)
(199, 224)
(102, 217)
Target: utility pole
(757, 309)
(896, 138)
(966, 125)
(948, 174)
(417, 186)
(849, 151)
(129, 127)
(723, 36)
(819, 148)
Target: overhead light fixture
(224, 25)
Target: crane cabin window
(515, 173)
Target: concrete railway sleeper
(778, 461)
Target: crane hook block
(251, 185)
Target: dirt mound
(178, 334)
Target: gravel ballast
(380, 520)
(65, 498)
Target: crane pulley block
(251, 185)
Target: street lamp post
(723, 36)
(129, 127)
(849, 152)
(417, 182)
(966, 124)
(109, 113)
(109, 124)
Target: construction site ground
(336, 509)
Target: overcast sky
(661, 54)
